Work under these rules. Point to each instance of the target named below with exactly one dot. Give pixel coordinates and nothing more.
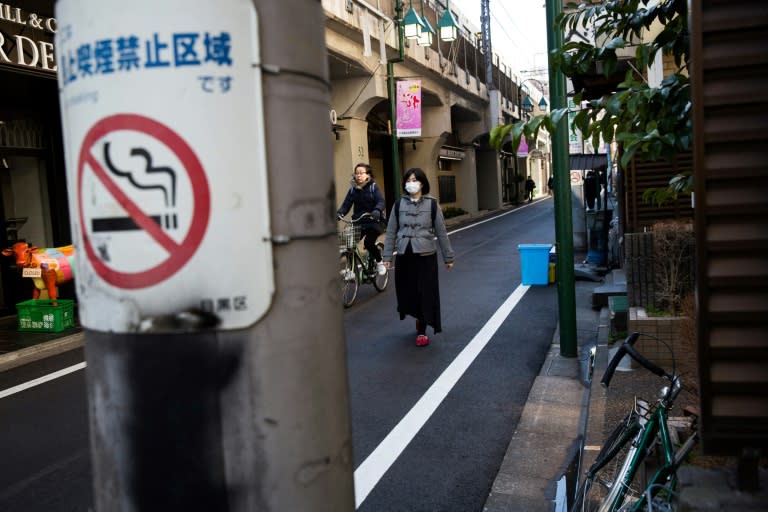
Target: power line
(523, 37)
(519, 49)
(512, 20)
(501, 26)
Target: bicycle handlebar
(627, 348)
(355, 221)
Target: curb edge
(40, 351)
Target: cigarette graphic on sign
(151, 179)
(167, 221)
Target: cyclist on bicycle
(366, 197)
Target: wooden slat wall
(729, 76)
(642, 176)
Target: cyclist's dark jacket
(365, 199)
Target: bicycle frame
(360, 264)
(642, 431)
(366, 271)
(643, 439)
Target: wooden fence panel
(729, 70)
(638, 266)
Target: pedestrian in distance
(551, 185)
(591, 187)
(530, 185)
(363, 197)
(416, 229)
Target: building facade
(458, 108)
(33, 198)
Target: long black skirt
(417, 288)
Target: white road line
(368, 474)
(379, 461)
(41, 380)
(489, 219)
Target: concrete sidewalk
(562, 427)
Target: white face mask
(412, 186)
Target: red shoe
(422, 340)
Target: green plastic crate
(617, 307)
(617, 303)
(42, 315)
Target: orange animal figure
(55, 264)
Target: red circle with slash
(178, 253)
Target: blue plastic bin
(534, 263)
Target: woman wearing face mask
(416, 228)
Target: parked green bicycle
(615, 481)
(355, 267)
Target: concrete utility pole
(566, 290)
(215, 346)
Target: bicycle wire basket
(348, 237)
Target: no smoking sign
(144, 201)
(166, 163)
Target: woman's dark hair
(368, 168)
(420, 176)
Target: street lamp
(411, 23)
(449, 29)
(525, 105)
(427, 32)
(417, 26)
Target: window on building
(447, 186)
(444, 164)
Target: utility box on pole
(201, 195)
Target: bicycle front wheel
(380, 281)
(350, 281)
(608, 466)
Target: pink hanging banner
(408, 108)
(522, 149)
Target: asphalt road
(443, 443)
(451, 462)
(44, 439)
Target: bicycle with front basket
(355, 265)
(614, 482)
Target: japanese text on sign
(126, 53)
(408, 108)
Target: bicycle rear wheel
(350, 280)
(380, 281)
(607, 467)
